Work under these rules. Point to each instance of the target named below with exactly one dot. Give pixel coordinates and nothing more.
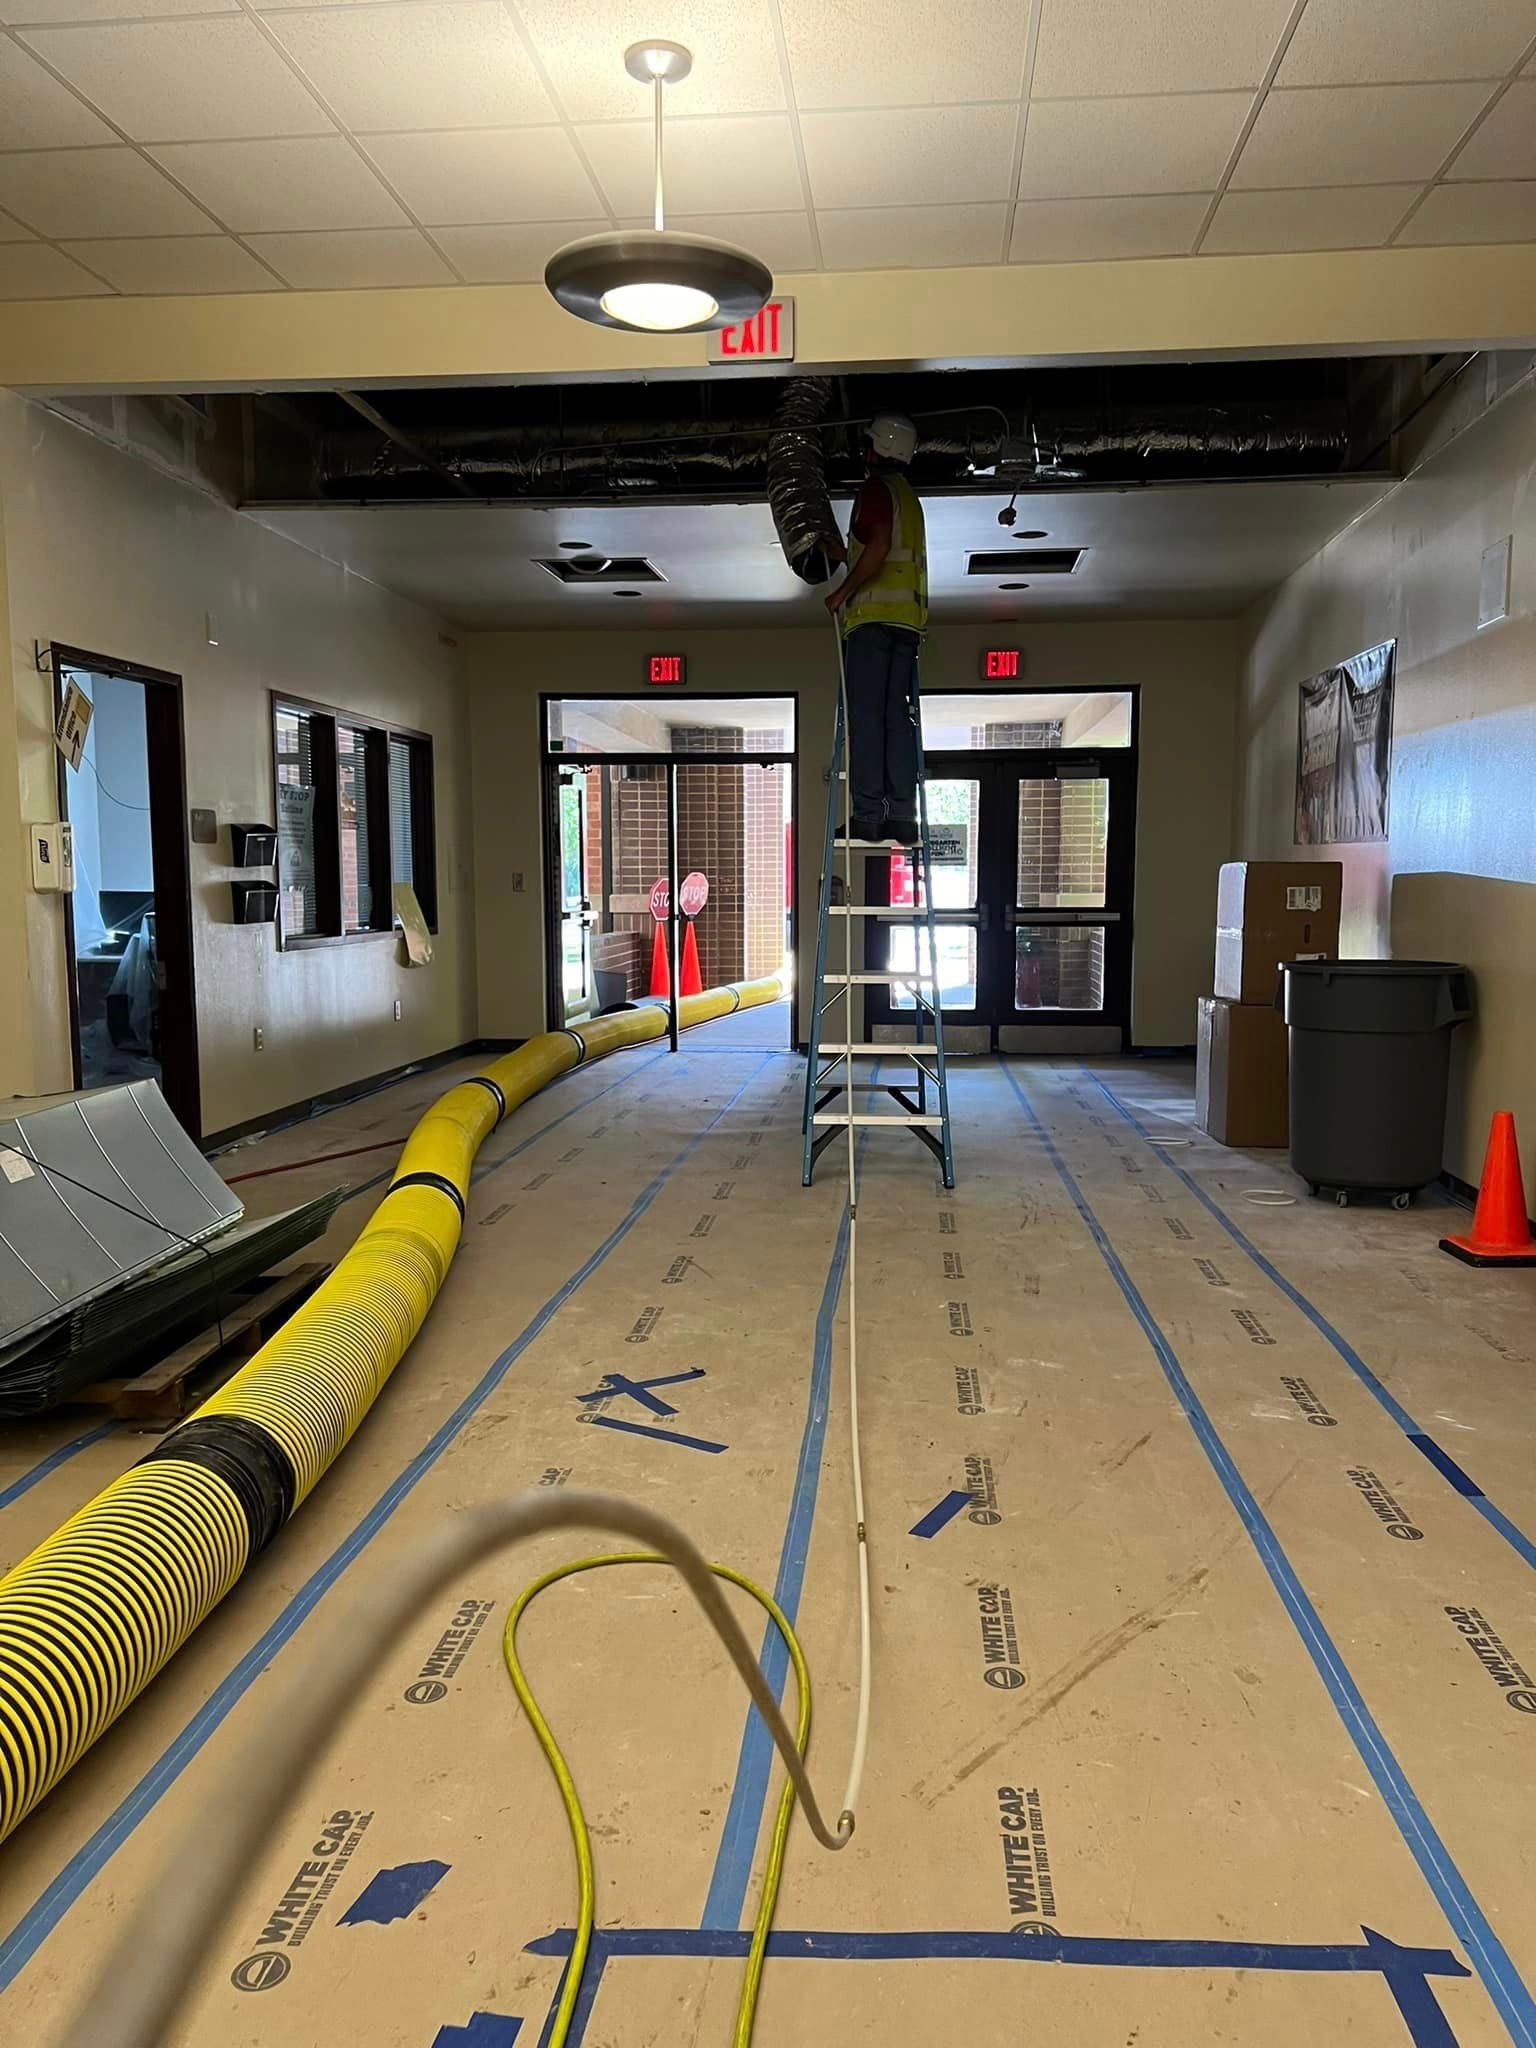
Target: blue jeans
(880, 664)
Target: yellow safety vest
(897, 595)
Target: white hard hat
(893, 436)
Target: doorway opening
(128, 922)
(1031, 813)
(651, 847)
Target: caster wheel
(1341, 1197)
(1402, 1201)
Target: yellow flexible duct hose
(99, 1608)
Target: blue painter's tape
(743, 1819)
(39, 1921)
(1405, 1971)
(485, 2030)
(1445, 1465)
(951, 1505)
(1495, 1517)
(1374, 1955)
(1500, 1978)
(53, 1461)
(393, 1894)
(639, 1390)
(662, 1436)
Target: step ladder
(922, 1104)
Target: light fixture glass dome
(659, 308)
(649, 280)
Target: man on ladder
(883, 607)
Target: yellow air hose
(89, 1618)
(576, 1820)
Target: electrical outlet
(258, 1040)
(397, 1009)
(517, 881)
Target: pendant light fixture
(653, 280)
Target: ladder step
(891, 910)
(879, 979)
(838, 1116)
(885, 1052)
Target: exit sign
(767, 337)
(1001, 664)
(666, 668)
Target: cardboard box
(1241, 1083)
(1273, 910)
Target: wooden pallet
(170, 1389)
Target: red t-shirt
(872, 511)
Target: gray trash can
(1370, 1051)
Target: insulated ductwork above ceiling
(796, 441)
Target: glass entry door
(575, 902)
(1032, 881)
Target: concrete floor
(1203, 1688)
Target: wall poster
(1344, 750)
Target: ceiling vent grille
(600, 569)
(1025, 562)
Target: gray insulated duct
(797, 479)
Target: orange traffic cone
(690, 982)
(1501, 1231)
(661, 971)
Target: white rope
(861, 1536)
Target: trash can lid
(1372, 968)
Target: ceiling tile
(922, 155)
(835, 60)
(36, 112)
(71, 194)
(174, 264)
(183, 81)
(31, 270)
(1355, 134)
(362, 259)
(781, 240)
(25, 12)
(1090, 48)
(13, 231)
(507, 254)
(911, 237)
(1505, 145)
(1321, 217)
(1090, 230)
(1080, 149)
(582, 43)
(489, 174)
(428, 64)
(299, 182)
(729, 163)
(1349, 42)
(1475, 213)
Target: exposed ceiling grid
(423, 141)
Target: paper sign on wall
(1309, 897)
(949, 845)
(72, 723)
(413, 926)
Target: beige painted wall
(1457, 877)
(1184, 815)
(104, 554)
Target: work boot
(859, 828)
(904, 831)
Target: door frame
(549, 797)
(993, 927)
(170, 855)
